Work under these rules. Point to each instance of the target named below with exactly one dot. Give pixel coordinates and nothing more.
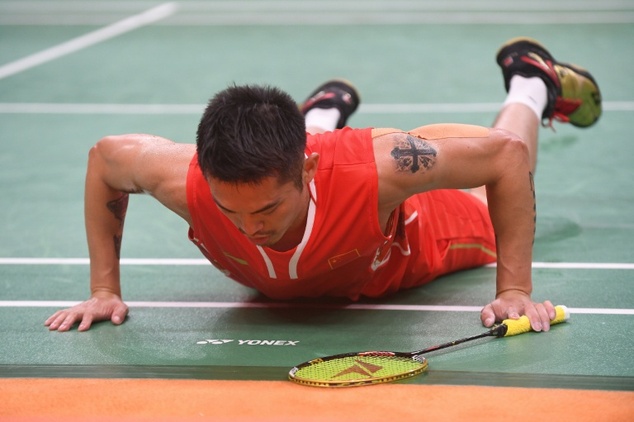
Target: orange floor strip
(122, 400)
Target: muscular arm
(117, 167)
(462, 157)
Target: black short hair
(251, 132)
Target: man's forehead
(266, 183)
(248, 197)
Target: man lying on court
(280, 201)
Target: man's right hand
(101, 306)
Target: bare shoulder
(143, 163)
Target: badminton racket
(375, 367)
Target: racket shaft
(492, 332)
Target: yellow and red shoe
(573, 94)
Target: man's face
(263, 212)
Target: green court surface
(414, 63)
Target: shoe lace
(563, 109)
(546, 66)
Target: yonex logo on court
(214, 341)
(219, 342)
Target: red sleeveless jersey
(344, 252)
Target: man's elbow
(513, 149)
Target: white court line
(333, 12)
(110, 31)
(202, 261)
(584, 265)
(414, 108)
(86, 261)
(290, 305)
(53, 6)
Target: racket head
(358, 369)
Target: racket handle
(523, 325)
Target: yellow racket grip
(523, 325)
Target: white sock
(323, 118)
(529, 91)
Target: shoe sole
(583, 72)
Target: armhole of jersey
(190, 188)
(376, 132)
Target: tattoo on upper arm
(412, 154)
(118, 208)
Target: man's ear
(310, 167)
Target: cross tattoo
(411, 155)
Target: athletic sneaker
(573, 94)
(337, 94)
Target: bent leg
(541, 88)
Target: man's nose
(251, 225)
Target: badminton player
(290, 201)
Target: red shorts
(456, 233)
